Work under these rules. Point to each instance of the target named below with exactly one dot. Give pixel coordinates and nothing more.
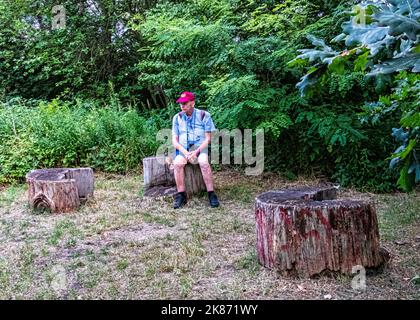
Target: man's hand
(192, 156)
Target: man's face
(187, 107)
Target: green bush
(233, 54)
(381, 39)
(60, 134)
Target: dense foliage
(384, 39)
(38, 134)
(137, 56)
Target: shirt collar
(192, 114)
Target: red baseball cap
(185, 97)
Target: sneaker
(180, 200)
(214, 202)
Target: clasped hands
(192, 155)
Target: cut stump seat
(59, 189)
(159, 180)
(306, 231)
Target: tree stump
(306, 231)
(59, 189)
(159, 180)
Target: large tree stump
(59, 189)
(305, 231)
(159, 180)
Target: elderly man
(191, 135)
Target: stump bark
(59, 189)
(307, 231)
(159, 178)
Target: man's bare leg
(206, 171)
(205, 167)
(179, 165)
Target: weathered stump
(159, 180)
(306, 231)
(59, 189)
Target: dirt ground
(120, 246)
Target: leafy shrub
(383, 39)
(59, 134)
(233, 54)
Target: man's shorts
(202, 158)
(179, 153)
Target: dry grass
(118, 246)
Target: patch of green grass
(185, 285)
(237, 225)
(90, 254)
(401, 210)
(76, 264)
(71, 242)
(150, 271)
(210, 253)
(62, 228)
(27, 256)
(23, 225)
(25, 269)
(178, 260)
(140, 192)
(100, 184)
(113, 292)
(45, 295)
(161, 285)
(4, 274)
(169, 238)
(150, 218)
(6, 227)
(240, 192)
(249, 262)
(158, 260)
(122, 264)
(131, 184)
(193, 248)
(92, 276)
(102, 224)
(119, 183)
(9, 195)
(45, 252)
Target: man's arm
(175, 136)
(209, 127)
(178, 146)
(205, 143)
